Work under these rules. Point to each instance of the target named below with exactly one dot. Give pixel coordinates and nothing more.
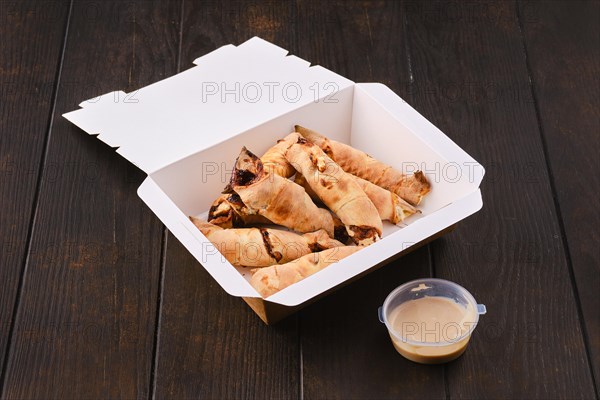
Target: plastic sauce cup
(430, 321)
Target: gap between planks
(34, 207)
(163, 256)
(555, 200)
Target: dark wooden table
(98, 300)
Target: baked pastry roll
(274, 159)
(228, 211)
(411, 188)
(278, 199)
(262, 247)
(337, 190)
(270, 280)
(390, 206)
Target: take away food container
(186, 131)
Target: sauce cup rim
(404, 340)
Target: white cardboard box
(186, 131)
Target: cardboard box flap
(224, 94)
(412, 143)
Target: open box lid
(231, 80)
(256, 82)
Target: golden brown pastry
(390, 206)
(270, 280)
(299, 179)
(337, 190)
(276, 198)
(274, 159)
(262, 247)
(411, 188)
(228, 211)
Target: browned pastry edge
(250, 172)
(364, 232)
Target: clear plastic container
(430, 321)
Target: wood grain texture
(471, 80)
(567, 88)
(85, 323)
(211, 345)
(346, 351)
(214, 23)
(30, 51)
(86, 320)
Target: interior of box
(194, 182)
(355, 118)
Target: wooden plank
(562, 41)
(211, 345)
(471, 80)
(346, 351)
(30, 51)
(86, 319)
